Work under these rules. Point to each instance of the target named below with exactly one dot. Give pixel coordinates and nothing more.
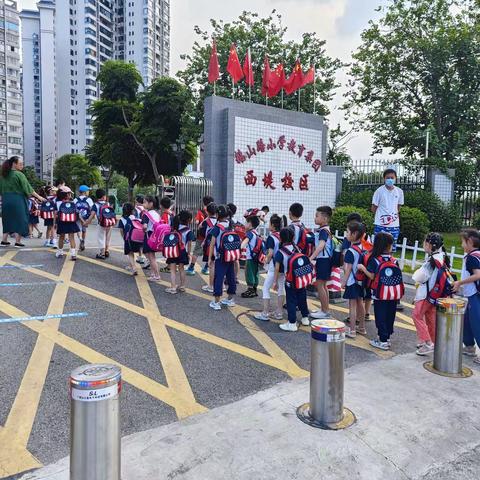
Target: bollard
(326, 409)
(95, 422)
(447, 356)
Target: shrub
(414, 225)
(362, 199)
(476, 221)
(340, 214)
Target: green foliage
(418, 70)
(32, 178)
(263, 36)
(119, 81)
(340, 214)
(362, 199)
(414, 225)
(76, 170)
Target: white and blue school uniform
(85, 214)
(32, 206)
(223, 270)
(187, 236)
(323, 263)
(64, 228)
(471, 329)
(273, 243)
(149, 218)
(126, 226)
(49, 222)
(353, 289)
(205, 231)
(296, 297)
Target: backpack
(34, 211)
(258, 251)
(229, 245)
(388, 283)
(443, 286)
(172, 244)
(107, 216)
(83, 208)
(67, 212)
(155, 240)
(47, 210)
(306, 240)
(136, 233)
(360, 277)
(300, 272)
(205, 235)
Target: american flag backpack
(388, 283)
(107, 216)
(300, 272)
(67, 212)
(258, 251)
(172, 244)
(229, 245)
(47, 210)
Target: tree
(337, 147)
(76, 170)
(264, 36)
(32, 178)
(418, 70)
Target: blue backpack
(83, 208)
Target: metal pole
(299, 99)
(326, 409)
(447, 357)
(427, 143)
(314, 89)
(233, 88)
(215, 87)
(249, 83)
(95, 422)
(51, 169)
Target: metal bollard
(95, 422)
(326, 409)
(447, 356)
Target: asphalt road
(182, 358)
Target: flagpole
(314, 91)
(266, 99)
(282, 98)
(299, 90)
(215, 87)
(249, 82)
(233, 89)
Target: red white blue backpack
(47, 210)
(443, 286)
(300, 272)
(67, 212)
(388, 283)
(107, 216)
(259, 250)
(172, 244)
(229, 245)
(83, 207)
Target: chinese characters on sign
(288, 182)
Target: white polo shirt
(387, 203)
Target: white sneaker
(425, 350)
(214, 305)
(289, 327)
(228, 302)
(59, 253)
(305, 321)
(53, 244)
(261, 316)
(276, 315)
(207, 288)
(350, 333)
(378, 344)
(46, 243)
(319, 315)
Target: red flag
(277, 81)
(309, 77)
(295, 81)
(266, 77)
(233, 66)
(248, 69)
(213, 67)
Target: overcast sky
(339, 22)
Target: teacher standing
(15, 191)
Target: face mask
(390, 182)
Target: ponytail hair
(176, 223)
(7, 165)
(278, 222)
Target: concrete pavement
(411, 424)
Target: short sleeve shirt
(387, 203)
(322, 234)
(472, 262)
(147, 221)
(187, 234)
(215, 232)
(252, 240)
(282, 258)
(352, 257)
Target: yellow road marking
(172, 366)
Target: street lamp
(178, 149)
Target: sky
(339, 22)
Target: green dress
(15, 190)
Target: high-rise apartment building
(74, 39)
(11, 137)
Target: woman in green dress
(15, 191)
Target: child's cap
(65, 189)
(83, 189)
(251, 212)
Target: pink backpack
(137, 234)
(155, 241)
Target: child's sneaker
(190, 270)
(53, 243)
(82, 245)
(59, 253)
(207, 288)
(378, 344)
(40, 235)
(350, 333)
(140, 260)
(470, 351)
(205, 271)
(276, 315)
(172, 290)
(214, 305)
(47, 243)
(319, 315)
(262, 316)
(289, 327)
(228, 302)
(425, 350)
(73, 254)
(305, 321)
(250, 293)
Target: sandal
(250, 293)
(107, 253)
(182, 289)
(153, 278)
(171, 290)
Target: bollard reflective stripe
(95, 422)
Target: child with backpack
(150, 219)
(223, 252)
(33, 214)
(166, 213)
(177, 246)
(47, 212)
(255, 256)
(352, 283)
(106, 220)
(66, 222)
(298, 276)
(470, 282)
(84, 205)
(132, 235)
(138, 212)
(204, 238)
(434, 281)
(272, 247)
(387, 287)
